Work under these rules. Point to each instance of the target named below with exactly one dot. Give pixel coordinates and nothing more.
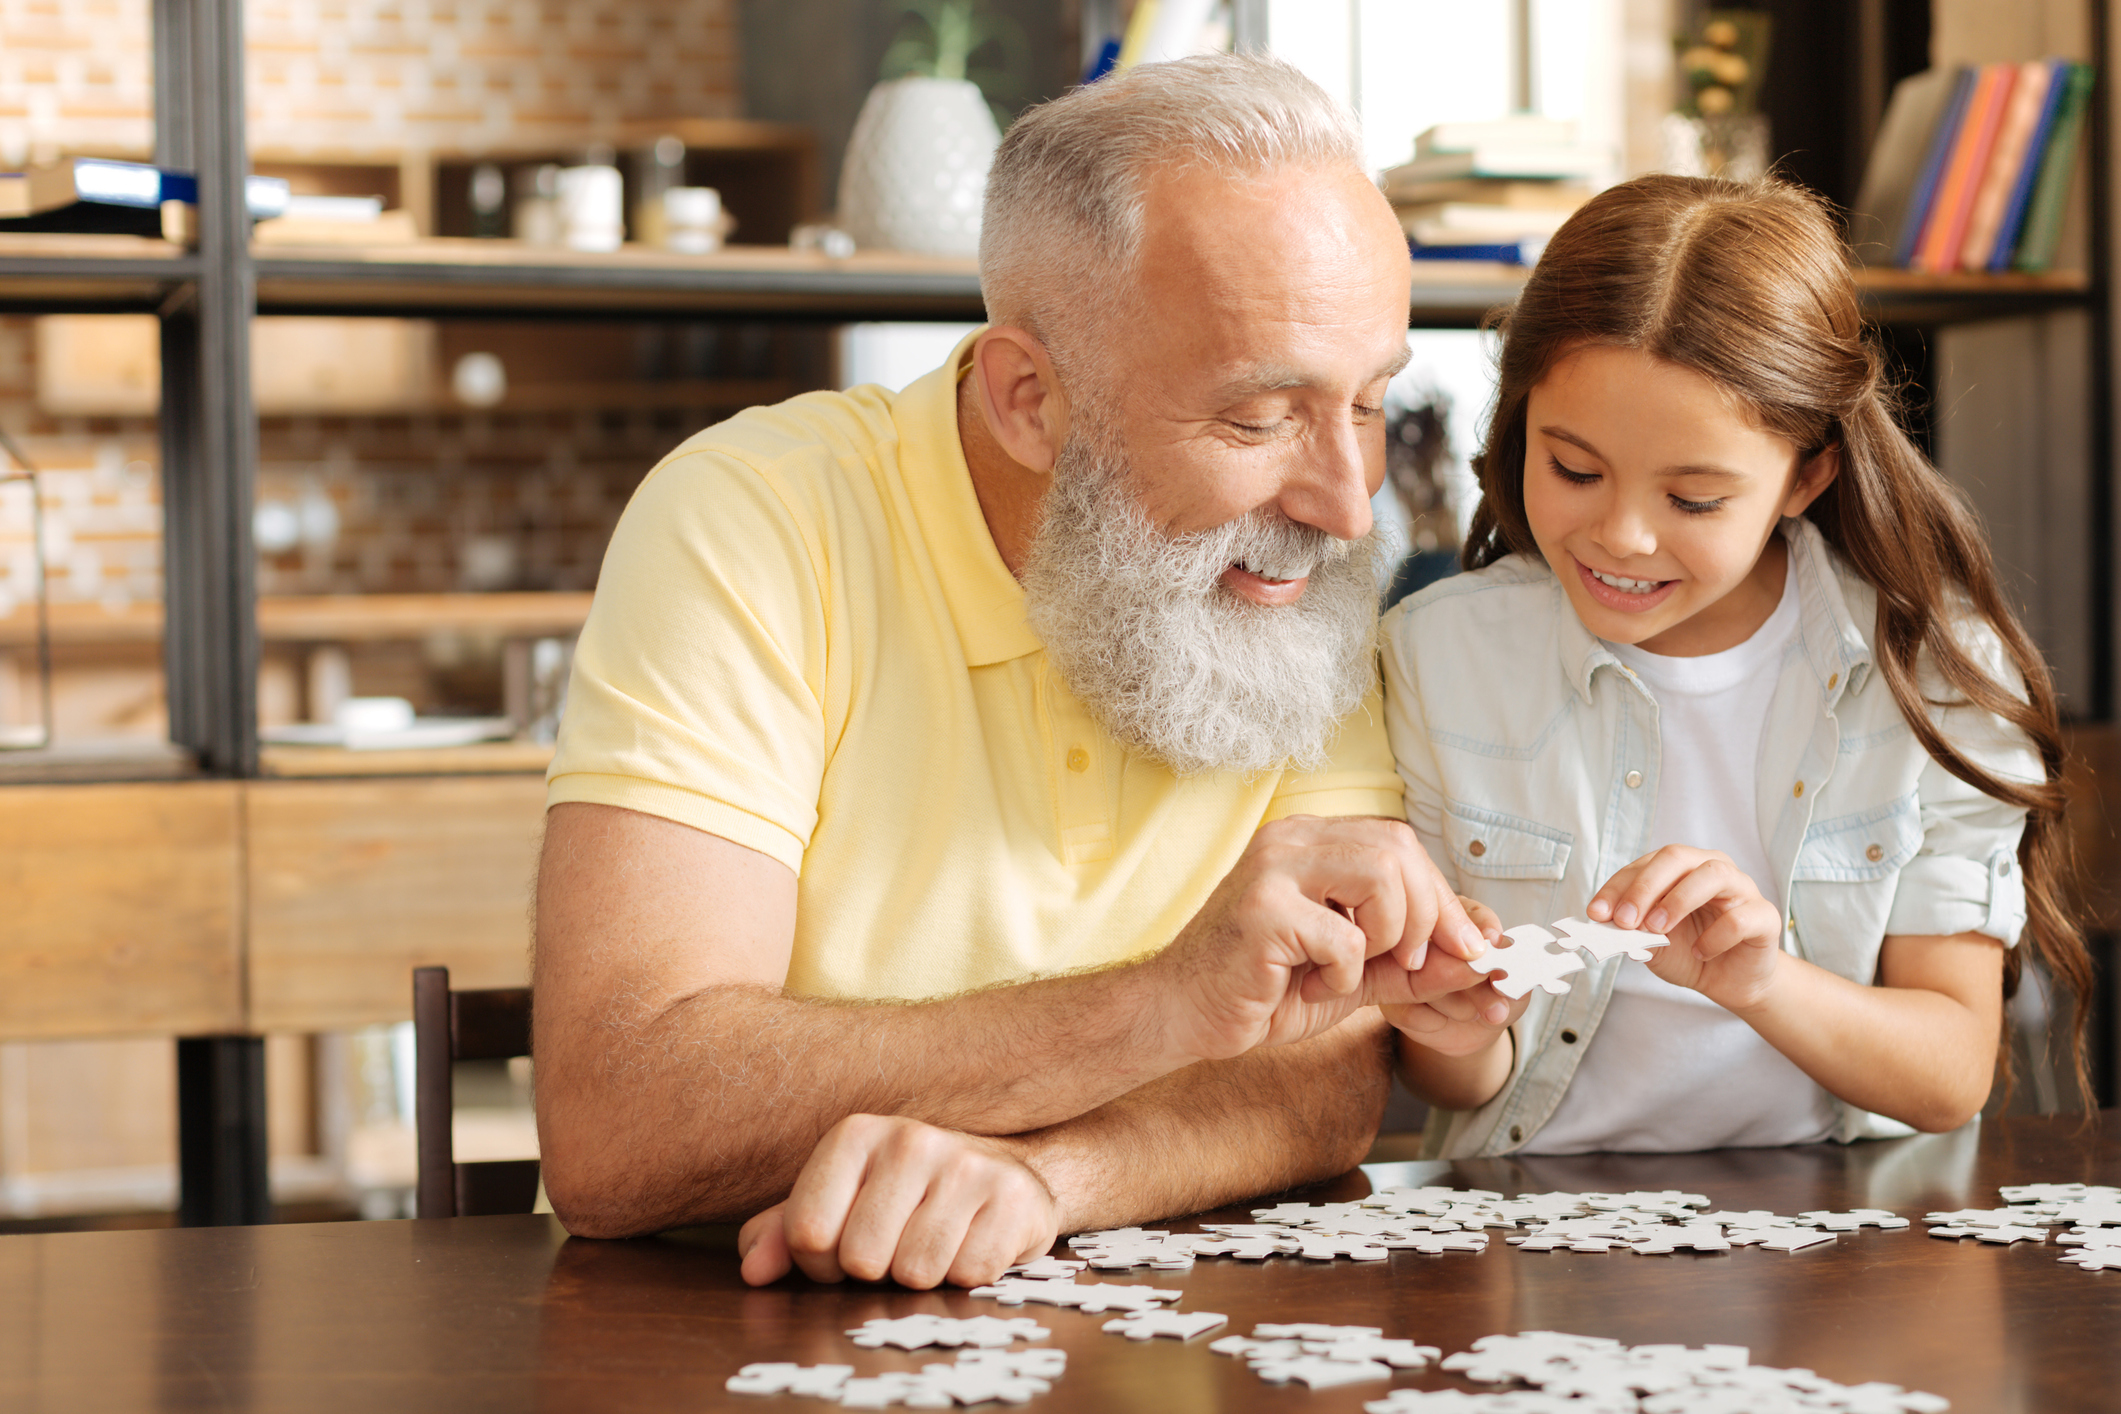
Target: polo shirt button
(1833, 680)
(1634, 779)
(1568, 1038)
(1078, 759)
(1874, 853)
(1799, 791)
(1477, 848)
(2004, 868)
(1517, 1134)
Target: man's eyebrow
(1273, 377)
(1562, 434)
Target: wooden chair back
(449, 1027)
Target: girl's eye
(1574, 478)
(1696, 508)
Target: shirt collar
(985, 601)
(1832, 641)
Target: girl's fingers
(1659, 875)
(1750, 921)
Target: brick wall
(375, 77)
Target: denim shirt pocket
(1842, 888)
(1511, 865)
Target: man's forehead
(1252, 377)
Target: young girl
(1729, 664)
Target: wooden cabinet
(259, 906)
(124, 910)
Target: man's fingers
(997, 1237)
(1335, 947)
(897, 1185)
(933, 1236)
(763, 1244)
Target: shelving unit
(216, 624)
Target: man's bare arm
(676, 1084)
(925, 1205)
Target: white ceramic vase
(916, 167)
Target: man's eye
(1574, 478)
(1251, 429)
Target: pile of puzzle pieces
(1575, 1374)
(1438, 1220)
(1562, 1373)
(978, 1377)
(2091, 1212)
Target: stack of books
(96, 195)
(1972, 168)
(1491, 191)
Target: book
(2013, 223)
(2050, 200)
(1460, 222)
(1571, 162)
(1946, 228)
(1492, 191)
(2020, 116)
(1516, 130)
(1919, 105)
(96, 195)
(1497, 252)
(1924, 198)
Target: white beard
(1169, 661)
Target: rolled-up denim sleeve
(1966, 878)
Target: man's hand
(1464, 1022)
(894, 1197)
(1318, 918)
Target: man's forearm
(706, 1109)
(1220, 1131)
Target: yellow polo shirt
(804, 641)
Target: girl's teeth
(1626, 586)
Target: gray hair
(1063, 219)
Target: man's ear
(1812, 480)
(1019, 396)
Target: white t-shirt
(1667, 1069)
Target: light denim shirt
(1529, 754)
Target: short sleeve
(698, 680)
(1965, 877)
(1357, 779)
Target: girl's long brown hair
(1749, 285)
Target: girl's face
(1655, 500)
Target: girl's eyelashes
(1574, 478)
(1679, 503)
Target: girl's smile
(1654, 499)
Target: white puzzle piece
(1090, 1298)
(1993, 1234)
(1319, 1372)
(1529, 959)
(1853, 1219)
(1603, 940)
(916, 1331)
(1177, 1325)
(814, 1381)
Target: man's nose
(1329, 487)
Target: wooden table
(508, 1313)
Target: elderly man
(972, 821)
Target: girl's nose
(1624, 531)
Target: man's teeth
(1626, 586)
(1274, 572)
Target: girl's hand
(1465, 1022)
(1726, 938)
